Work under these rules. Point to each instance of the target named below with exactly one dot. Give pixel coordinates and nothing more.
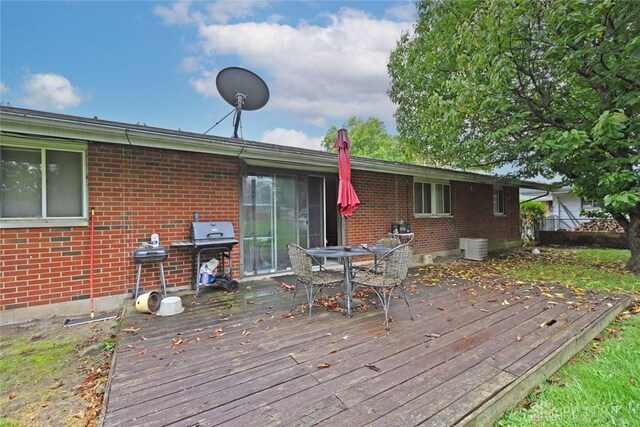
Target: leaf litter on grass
(54, 375)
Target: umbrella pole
(345, 228)
(345, 233)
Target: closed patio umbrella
(348, 200)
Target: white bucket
(170, 306)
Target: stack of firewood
(600, 225)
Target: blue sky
(156, 62)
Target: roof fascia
(30, 123)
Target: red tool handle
(92, 219)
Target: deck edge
(508, 397)
(105, 399)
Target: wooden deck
(240, 359)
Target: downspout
(536, 225)
(536, 198)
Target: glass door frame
(253, 271)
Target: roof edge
(44, 124)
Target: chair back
(396, 263)
(301, 262)
(388, 241)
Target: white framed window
(42, 184)
(431, 198)
(589, 204)
(498, 201)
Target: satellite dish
(243, 89)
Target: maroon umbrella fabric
(348, 200)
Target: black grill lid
(212, 231)
(150, 254)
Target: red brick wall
(136, 191)
(388, 198)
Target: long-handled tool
(93, 318)
(92, 219)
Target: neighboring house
(564, 208)
(143, 180)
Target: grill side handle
(215, 234)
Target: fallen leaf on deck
(433, 335)
(373, 368)
(324, 365)
(12, 395)
(79, 414)
(217, 333)
(57, 384)
(130, 330)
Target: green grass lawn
(601, 385)
(599, 269)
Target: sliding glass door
(278, 210)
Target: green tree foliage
(532, 209)
(529, 211)
(369, 139)
(549, 86)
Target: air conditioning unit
(473, 249)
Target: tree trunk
(632, 230)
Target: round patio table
(346, 253)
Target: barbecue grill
(219, 239)
(150, 255)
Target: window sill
(41, 223)
(499, 215)
(418, 216)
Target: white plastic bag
(208, 271)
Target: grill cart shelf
(217, 238)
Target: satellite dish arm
(240, 98)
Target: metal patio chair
(386, 241)
(302, 265)
(393, 266)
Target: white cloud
(206, 84)
(48, 90)
(291, 138)
(191, 64)
(179, 13)
(321, 74)
(405, 11)
(221, 12)
(4, 89)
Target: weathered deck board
(241, 359)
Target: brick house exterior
(143, 180)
